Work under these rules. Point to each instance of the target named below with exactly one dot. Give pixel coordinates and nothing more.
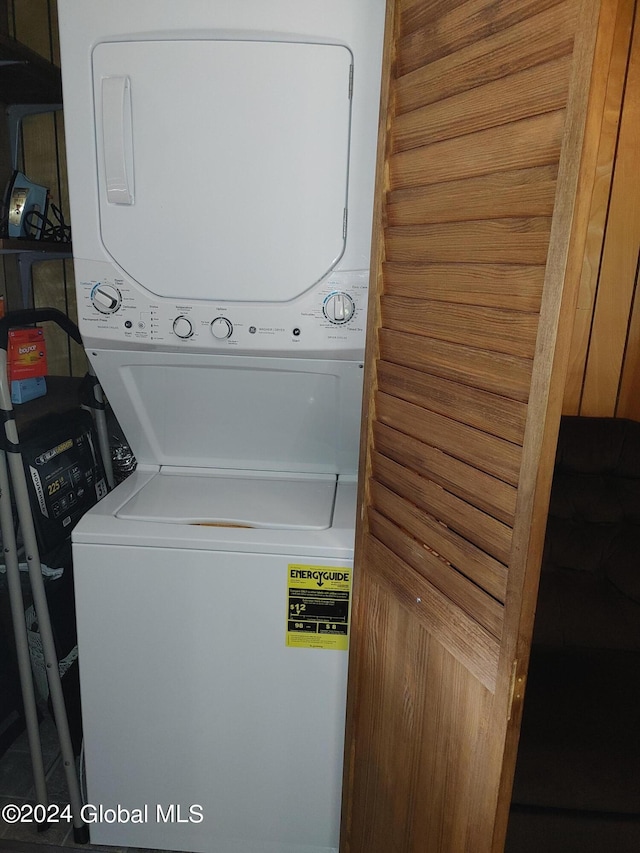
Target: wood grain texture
(44, 163)
(488, 574)
(494, 329)
(492, 241)
(465, 24)
(387, 808)
(620, 28)
(451, 755)
(449, 624)
(499, 373)
(519, 96)
(449, 535)
(472, 523)
(455, 586)
(515, 286)
(488, 453)
(518, 193)
(531, 42)
(39, 148)
(520, 145)
(488, 493)
(33, 26)
(616, 283)
(415, 14)
(490, 413)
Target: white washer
(192, 701)
(221, 165)
(205, 704)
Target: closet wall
(604, 373)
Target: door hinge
(350, 82)
(344, 223)
(516, 688)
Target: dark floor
(550, 831)
(16, 787)
(530, 830)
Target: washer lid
(235, 499)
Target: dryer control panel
(331, 316)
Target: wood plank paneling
(520, 145)
(489, 574)
(530, 92)
(522, 192)
(458, 816)
(413, 15)
(381, 811)
(511, 286)
(491, 241)
(457, 588)
(622, 25)
(610, 327)
(496, 372)
(499, 458)
(32, 26)
(490, 413)
(490, 494)
(461, 635)
(464, 24)
(528, 43)
(493, 329)
(39, 143)
(44, 162)
(472, 523)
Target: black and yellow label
(318, 599)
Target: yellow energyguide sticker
(318, 602)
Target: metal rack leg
(21, 639)
(80, 829)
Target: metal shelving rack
(29, 84)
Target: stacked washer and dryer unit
(221, 161)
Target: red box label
(27, 354)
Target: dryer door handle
(117, 139)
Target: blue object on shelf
(23, 390)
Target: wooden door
(491, 120)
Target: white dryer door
(222, 164)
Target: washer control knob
(221, 328)
(182, 327)
(338, 307)
(106, 298)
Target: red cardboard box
(27, 354)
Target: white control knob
(182, 327)
(338, 308)
(221, 328)
(106, 298)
